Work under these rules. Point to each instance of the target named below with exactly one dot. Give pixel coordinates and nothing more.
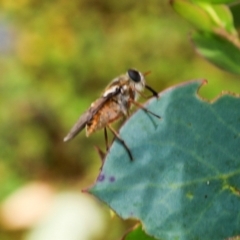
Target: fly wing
(87, 116)
(78, 126)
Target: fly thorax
(123, 99)
(111, 90)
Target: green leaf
(194, 14)
(137, 234)
(205, 16)
(184, 182)
(219, 51)
(220, 15)
(235, 10)
(216, 1)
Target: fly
(115, 102)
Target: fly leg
(145, 109)
(155, 94)
(100, 152)
(106, 138)
(121, 140)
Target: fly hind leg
(121, 141)
(145, 109)
(106, 138)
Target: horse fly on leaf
(115, 102)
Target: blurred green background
(55, 59)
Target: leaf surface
(216, 1)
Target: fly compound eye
(134, 75)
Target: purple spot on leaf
(112, 179)
(101, 178)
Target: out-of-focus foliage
(216, 38)
(55, 59)
(235, 9)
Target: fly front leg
(155, 94)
